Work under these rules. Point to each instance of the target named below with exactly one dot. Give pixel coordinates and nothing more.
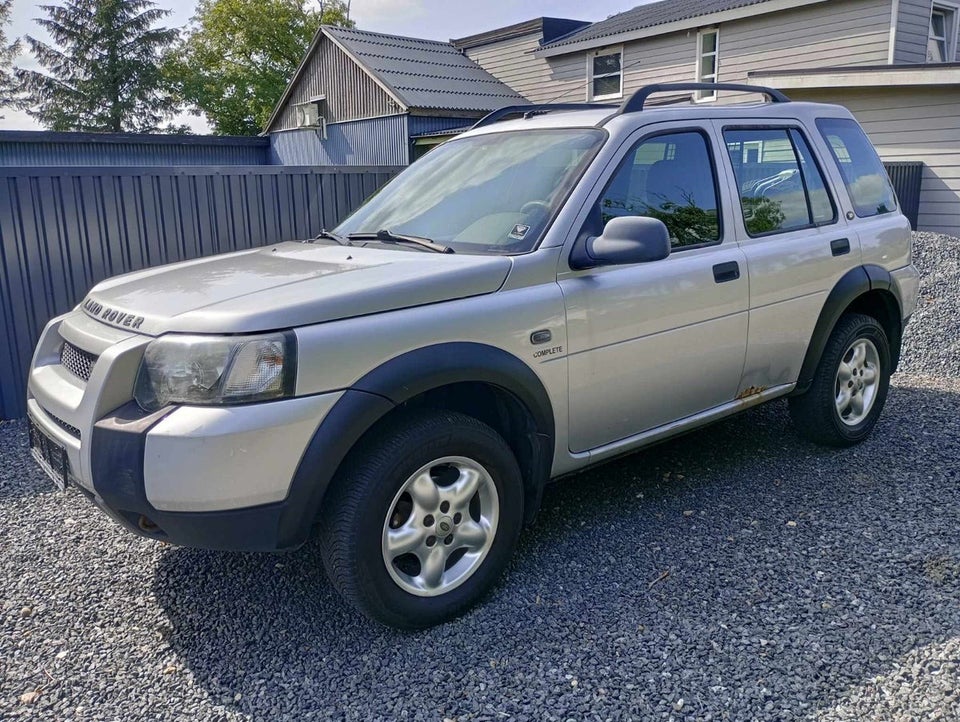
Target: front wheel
(422, 519)
(850, 385)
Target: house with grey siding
(365, 98)
(894, 63)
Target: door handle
(729, 271)
(840, 247)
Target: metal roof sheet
(549, 29)
(440, 133)
(648, 16)
(427, 74)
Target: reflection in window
(863, 173)
(822, 208)
(781, 187)
(670, 178)
(490, 193)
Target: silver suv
(559, 286)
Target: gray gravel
(735, 574)
(932, 340)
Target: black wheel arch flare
(395, 382)
(853, 285)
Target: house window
(941, 44)
(708, 47)
(606, 74)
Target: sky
(434, 19)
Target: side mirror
(625, 240)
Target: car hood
(287, 285)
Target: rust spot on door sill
(751, 391)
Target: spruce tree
(8, 52)
(102, 74)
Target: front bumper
(214, 478)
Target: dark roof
(441, 133)
(425, 74)
(550, 29)
(648, 16)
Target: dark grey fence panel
(907, 179)
(31, 148)
(62, 230)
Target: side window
(781, 187)
(822, 207)
(863, 173)
(669, 177)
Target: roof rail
(635, 102)
(534, 109)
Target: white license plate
(49, 455)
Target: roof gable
(424, 74)
(416, 74)
(350, 91)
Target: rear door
(656, 342)
(796, 243)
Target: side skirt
(678, 427)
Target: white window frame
(951, 13)
(591, 77)
(704, 96)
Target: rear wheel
(422, 519)
(850, 385)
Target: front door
(653, 343)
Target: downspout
(894, 17)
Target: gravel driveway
(737, 573)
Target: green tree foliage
(238, 56)
(762, 215)
(8, 51)
(102, 73)
(686, 222)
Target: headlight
(207, 370)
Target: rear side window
(863, 173)
(781, 187)
(669, 177)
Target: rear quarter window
(863, 173)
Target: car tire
(422, 518)
(849, 387)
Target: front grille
(72, 430)
(77, 361)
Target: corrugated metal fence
(45, 148)
(64, 229)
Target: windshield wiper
(333, 237)
(385, 236)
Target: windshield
(492, 193)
